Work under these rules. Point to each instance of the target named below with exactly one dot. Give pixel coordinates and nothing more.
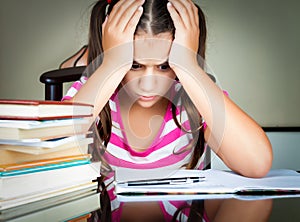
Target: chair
(69, 70)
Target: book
(43, 130)
(37, 147)
(17, 158)
(143, 185)
(43, 164)
(42, 154)
(42, 109)
(38, 124)
(72, 204)
(39, 198)
(21, 188)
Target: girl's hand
(186, 21)
(119, 27)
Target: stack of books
(44, 151)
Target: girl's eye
(136, 66)
(164, 67)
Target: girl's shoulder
(75, 87)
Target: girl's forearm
(100, 86)
(231, 133)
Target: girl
(154, 105)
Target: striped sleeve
(74, 88)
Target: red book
(43, 109)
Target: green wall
(253, 49)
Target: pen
(167, 181)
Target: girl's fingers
(117, 11)
(123, 12)
(130, 13)
(174, 15)
(120, 24)
(104, 24)
(196, 16)
(131, 25)
(182, 12)
(185, 17)
(187, 12)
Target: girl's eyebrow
(163, 63)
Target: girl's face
(150, 76)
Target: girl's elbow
(263, 168)
(263, 162)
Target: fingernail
(140, 8)
(169, 4)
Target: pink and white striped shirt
(166, 151)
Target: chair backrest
(69, 70)
(54, 80)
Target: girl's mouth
(147, 98)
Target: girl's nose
(147, 82)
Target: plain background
(253, 50)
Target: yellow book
(10, 154)
(44, 130)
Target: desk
(282, 209)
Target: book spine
(44, 168)
(42, 162)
